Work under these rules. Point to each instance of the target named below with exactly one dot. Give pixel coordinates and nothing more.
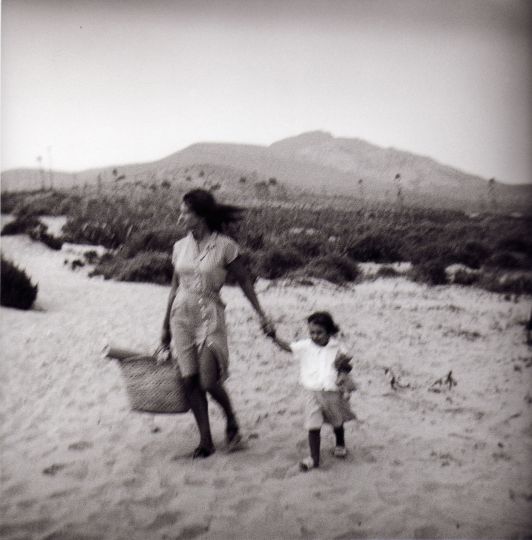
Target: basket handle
(162, 354)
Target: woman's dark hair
(216, 215)
(324, 319)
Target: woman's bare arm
(165, 334)
(281, 343)
(243, 278)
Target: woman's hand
(267, 326)
(162, 354)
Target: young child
(324, 400)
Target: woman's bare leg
(200, 409)
(210, 381)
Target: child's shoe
(307, 464)
(340, 452)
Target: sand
(76, 463)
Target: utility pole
(50, 173)
(41, 171)
(491, 195)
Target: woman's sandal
(307, 464)
(203, 452)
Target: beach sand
(76, 463)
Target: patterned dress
(197, 316)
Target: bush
(17, 290)
(307, 246)
(10, 200)
(334, 268)
(39, 234)
(152, 240)
(430, 272)
(46, 203)
(516, 283)
(110, 234)
(251, 240)
(375, 248)
(434, 251)
(276, 262)
(463, 277)
(504, 259)
(472, 254)
(151, 266)
(516, 243)
(247, 258)
(387, 272)
(20, 225)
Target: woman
(194, 324)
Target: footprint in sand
(23, 528)
(81, 445)
(353, 534)
(246, 504)
(192, 531)
(427, 531)
(164, 519)
(52, 470)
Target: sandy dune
(77, 464)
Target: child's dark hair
(324, 319)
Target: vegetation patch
(17, 290)
(281, 239)
(152, 266)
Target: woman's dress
(197, 316)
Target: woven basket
(151, 387)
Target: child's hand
(343, 357)
(342, 362)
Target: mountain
(314, 162)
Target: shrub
(151, 266)
(276, 262)
(91, 256)
(307, 246)
(387, 272)
(41, 203)
(17, 290)
(472, 254)
(434, 251)
(375, 248)
(251, 240)
(334, 268)
(504, 259)
(516, 283)
(152, 240)
(247, 258)
(39, 234)
(516, 243)
(11, 199)
(430, 272)
(463, 277)
(20, 225)
(110, 234)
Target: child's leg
(340, 435)
(314, 445)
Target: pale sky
(89, 83)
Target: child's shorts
(322, 406)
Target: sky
(90, 83)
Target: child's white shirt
(317, 371)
